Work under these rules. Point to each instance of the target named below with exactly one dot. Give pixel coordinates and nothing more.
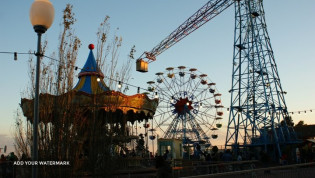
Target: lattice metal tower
(257, 98)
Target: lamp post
(41, 16)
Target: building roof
(91, 92)
(305, 131)
(91, 79)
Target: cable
(302, 111)
(76, 68)
(15, 52)
(127, 84)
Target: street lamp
(41, 15)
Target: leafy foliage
(287, 121)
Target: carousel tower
(91, 78)
(91, 93)
(89, 120)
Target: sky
(144, 23)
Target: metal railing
(305, 170)
(191, 169)
(186, 168)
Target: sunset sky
(144, 23)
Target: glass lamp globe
(42, 15)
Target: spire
(90, 77)
(90, 66)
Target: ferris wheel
(189, 105)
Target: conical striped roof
(89, 75)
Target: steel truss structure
(257, 98)
(207, 12)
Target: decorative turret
(91, 78)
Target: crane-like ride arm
(207, 12)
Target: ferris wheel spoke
(162, 99)
(161, 112)
(195, 125)
(171, 128)
(191, 85)
(185, 83)
(208, 126)
(176, 84)
(169, 87)
(182, 82)
(196, 81)
(175, 89)
(163, 91)
(202, 92)
(208, 131)
(165, 119)
(163, 106)
(196, 87)
(207, 101)
(165, 84)
(207, 115)
(162, 95)
(203, 121)
(208, 107)
(188, 83)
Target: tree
(65, 134)
(300, 123)
(214, 149)
(287, 121)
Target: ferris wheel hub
(182, 106)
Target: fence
(8, 170)
(192, 169)
(123, 167)
(305, 170)
(182, 168)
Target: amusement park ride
(257, 98)
(189, 106)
